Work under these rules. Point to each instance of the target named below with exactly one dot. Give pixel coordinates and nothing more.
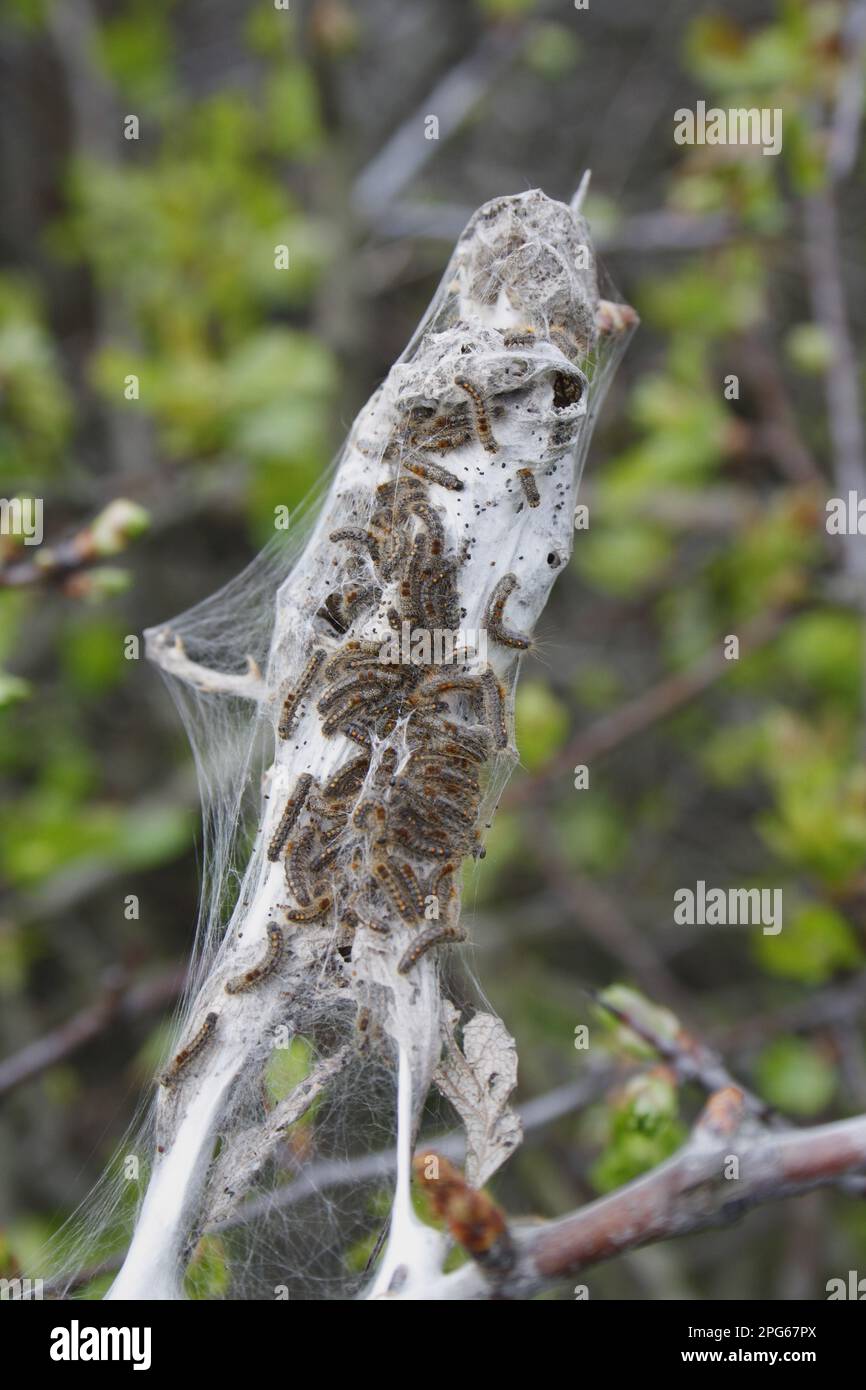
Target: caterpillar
(332, 611)
(493, 616)
(529, 485)
(266, 966)
(429, 517)
(192, 1049)
(346, 779)
(294, 697)
(303, 915)
(353, 921)
(356, 535)
(494, 708)
(298, 866)
(398, 889)
(482, 420)
(294, 805)
(433, 472)
(328, 856)
(425, 941)
(439, 432)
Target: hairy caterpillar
(192, 1049)
(303, 915)
(356, 535)
(494, 708)
(297, 866)
(332, 611)
(402, 890)
(426, 940)
(529, 485)
(493, 615)
(294, 806)
(434, 473)
(266, 966)
(482, 420)
(294, 697)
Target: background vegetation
(155, 257)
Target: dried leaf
(478, 1080)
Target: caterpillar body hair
(479, 410)
(328, 856)
(529, 485)
(294, 806)
(432, 523)
(303, 915)
(356, 535)
(332, 611)
(494, 707)
(434, 935)
(390, 878)
(298, 867)
(266, 966)
(353, 921)
(294, 697)
(192, 1049)
(433, 473)
(494, 612)
(410, 882)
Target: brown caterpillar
(266, 966)
(529, 485)
(430, 519)
(294, 697)
(346, 779)
(192, 1049)
(332, 611)
(433, 472)
(421, 843)
(439, 432)
(303, 915)
(353, 921)
(392, 880)
(359, 735)
(298, 867)
(413, 888)
(328, 856)
(352, 653)
(359, 598)
(356, 535)
(494, 708)
(520, 337)
(482, 421)
(293, 809)
(434, 935)
(493, 615)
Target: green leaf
(542, 723)
(813, 946)
(796, 1076)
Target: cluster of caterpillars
(385, 836)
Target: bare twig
(121, 1002)
(450, 100)
(62, 564)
